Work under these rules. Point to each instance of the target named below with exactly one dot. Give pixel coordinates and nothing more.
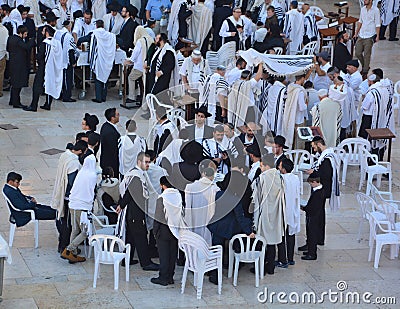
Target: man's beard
(158, 44)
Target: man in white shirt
(368, 106)
(367, 33)
(84, 25)
(353, 79)
(193, 69)
(322, 65)
(214, 150)
(63, 13)
(232, 29)
(234, 74)
(294, 28)
(113, 20)
(310, 25)
(3, 55)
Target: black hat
(114, 6)
(50, 16)
(22, 8)
(254, 149)
(314, 175)
(132, 10)
(91, 120)
(6, 7)
(192, 152)
(203, 110)
(353, 62)
(280, 140)
(317, 138)
(66, 22)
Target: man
(353, 79)
(51, 20)
(272, 116)
(134, 194)
(294, 28)
(113, 20)
(213, 149)
(321, 67)
(194, 69)
(278, 150)
(24, 202)
(156, 9)
(327, 115)
(101, 57)
(128, 27)
(213, 89)
(18, 49)
(177, 28)
(341, 54)
(109, 141)
(367, 33)
(149, 26)
(231, 141)
(99, 7)
(83, 25)
(200, 26)
(200, 130)
(295, 110)
(129, 145)
(3, 54)
(164, 130)
(241, 101)
(49, 71)
(269, 203)
(390, 11)
(311, 33)
(68, 59)
(220, 15)
(279, 10)
(67, 169)
(62, 11)
(255, 158)
(234, 74)
(232, 29)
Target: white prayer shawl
(252, 173)
(200, 206)
(34, 9)
(292, 199)
(173, 22)
(310, 25)
(82, 192)
(53, 77)
(204, 70)
(200, 23)
(294, 91)
(62, 15)
(68, 163)
(334, 201)
(294, 30)
(142, 36)
(238, 102)
(128, 151)
(118, 21)
(15, 19)
(67, 42)
(272, 116)
(99, 9)
(213, 150)
(102, 53)
(128, 177)
(175, 73)
(327, 115)
(172, 201)
(171, 152)
(121, 227)
(345, 96)
(269, 206)
(389, 10)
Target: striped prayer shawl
(310, 25)
(93, 54)
(262, 102)
(389, 10)
(210, 88)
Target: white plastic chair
(352, 153)
(308, 49)
(278, 50)
(396, 100)
(200, 258)
(98, 228)
(13, 226)
(317, 11)
(104, 253)
(248, 255)
(386, 236)
(299, 158)
(224, 56)
(378, 168)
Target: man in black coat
(24, 202)
(341, 54)
(18, 48)
(200, 131)
(220, 14)
(109, 141)
(126, 34)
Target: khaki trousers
(132, 78)
(363, 50)
(79, 232)
(2, 69)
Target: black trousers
(15, 96)
(366, 123)
(286, 248)
(313, 234)
(136, 236)
(392, 29)
(68, 76)
(270, 259)
(44, 212)
(167, 250)
(322, 223)
(64, 228)
(101, 90)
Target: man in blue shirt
(153, 10)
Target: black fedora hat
(280, 140)
(202, 109)
(114, 6)
(50, 16)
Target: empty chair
(302, 160)
(308, 49)
(381, 237)
(104, 246)
(377, 168)
(247, 255)
(96, 227)
(13, 225)
(200, 258)
(352, 154)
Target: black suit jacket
(109, 147)
(125, 37)
(341, 56)
(19, 201)
(208, 132)
(316, 203)
(133, 198)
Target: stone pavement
(39, 278)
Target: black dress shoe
(19, 106)
(305, 252)
(320, 244)
(152, 267)
(131, 262)
(393, 39)
(382, 38)
(303, 248)
(46, 107)
(69, 100)
(30, 109)
(131, 101)
(309, 258)
(96, 101)
(159, 281)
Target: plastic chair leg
(344, 173)
(371, 248)
(200, 279)
(96, 272)
(378, 250)
(116, 275)
(359, 231)
(236, 272)
(184, 276)
(12, 232)
(230, 267)
(220, 276)
(370, 178)
(257, 271)
(393, 251)
(36, 233)
(378, 180)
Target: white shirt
(322, 82)
(195, 78)
(368, 104)
(301, 109)
(136, 57)
(199, 134)
(233, 75)
(81, 28)
(370, 20)
(3, 41)
(354, 80)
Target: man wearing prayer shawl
(177, 24)
(232, 29)
(194, 69)
(269, 208)
(241, 102)
(214, 150)
(200, 203)
(294, 28)
(310, 25)
(390, 11)
(295, 109)
(101, 57)
(200, 25)
(112, 21)
(327, 115)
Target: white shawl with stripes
(53, 77)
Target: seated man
(24, 202)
